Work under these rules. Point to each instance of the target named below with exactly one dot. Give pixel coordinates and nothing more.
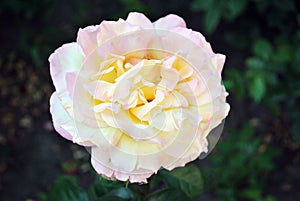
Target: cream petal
(99, 160)
(59, 116)
(71, 78)
(122, 160)
(182, 140)
(141, 111)
(111, 29)
(87, 38)
(170, 78)
(66, 126)
(122, 121)
(103, 106)
(67, 58)
(99, 89)
(168, 22)
(140, 20)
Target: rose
(142, 95)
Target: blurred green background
(257, 158)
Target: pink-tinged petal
(182, 140)
(59, 116)
(100, 160)
(123, 161)
(112, 29)
(140, 178)
(168, 22)
(140, 20)
(71, 78)
(218, 61)
(67, 58)
(141, 111)
(87, 38)
(195, 37)
(170, 78)
(123, 121)
(99, 89)
(69, 128)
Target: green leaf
(167, 195)
(65, 188)
(187, 179)
(233, 80)
(255, 63)
(202, 5)
(234, 8)
(102, 186)
(257, 88)
(211, 20)
(283, 53)
(262, 48)
(119, 194)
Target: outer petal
(87, 38)
(168, 22)
(111, 29)
(70, 129)
(140, 20)
(59, 116)
(67, 58)
(218, 60)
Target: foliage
(270, 41)
(240, 166)
(216, 10)
(181, 184)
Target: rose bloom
(141, 95)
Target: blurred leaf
(119, 194)
(202, 5)
(283, 53)
(251, 194)
(263, 48)
(235, 83)
(257, 88)
(255, 63)
(167, 195)
(188, 179)
(234, 8)
(102, 186)
(211, 20)
(65, 188)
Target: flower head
(142, 95)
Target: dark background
(258, 155)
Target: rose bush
(142, 95)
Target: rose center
(149, 93)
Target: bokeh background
(257, 157)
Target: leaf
(263, 48)
(187, 179)
(102, 186)
(65, 188)
(119, 194)
(211, 20)
(167, 195)
(257, 88)
(235, 8)
(202, 5)
(233, 80)
(283, 53)
(255, 63)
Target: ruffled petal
(67, 58)
(168, 22)
(87, 38)
(140, 20)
